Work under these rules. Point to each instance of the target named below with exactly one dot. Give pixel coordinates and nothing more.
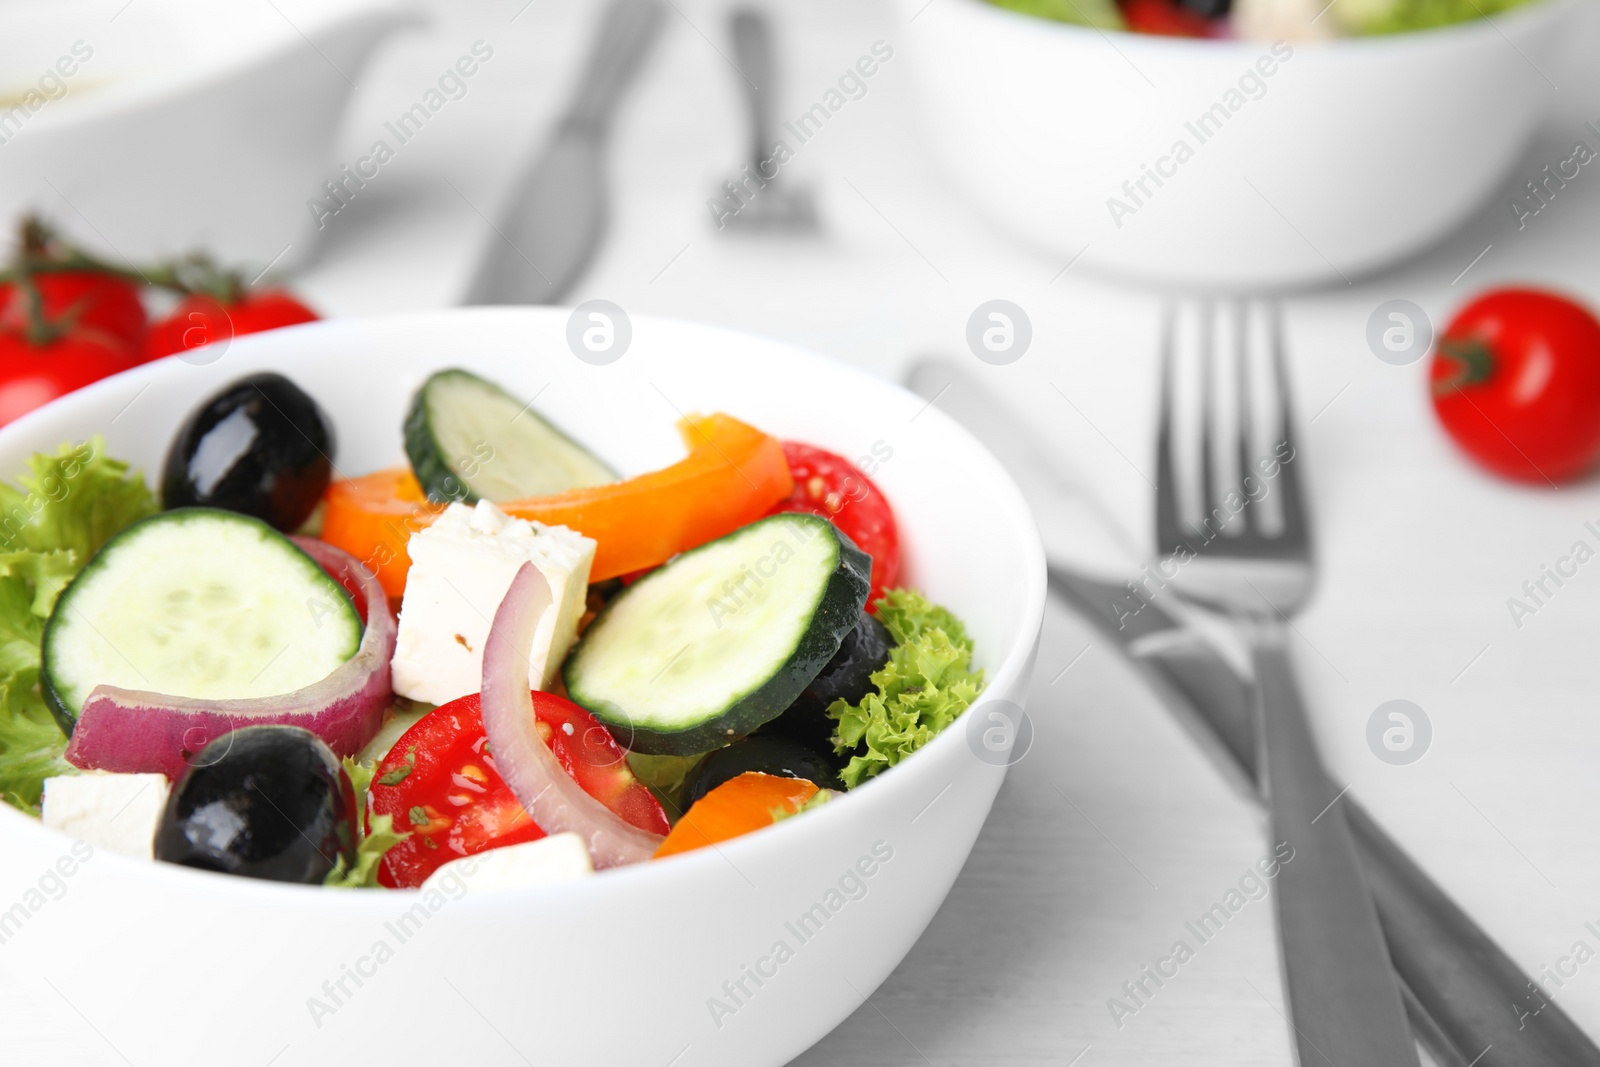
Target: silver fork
(1344, 1002)
(763, 201)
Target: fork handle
(1344, 1001)
(753, 53)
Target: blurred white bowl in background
(155, 127)
(1319, 161)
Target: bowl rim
(1009, 674)
(1486, 25)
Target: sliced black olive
(769, 755)
(848, 677)
(267, 802)
(261, 447)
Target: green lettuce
(1403, 16)
(819, 798)
(51, 522)
(73, 501)
(664, 776)
(374, 836)
(925, 685)
(1101, 14)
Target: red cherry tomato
(439, 783)
(200, 319)
(88, 301)
(1164, 18)
(834, 488)
(31, 377)
(1516, 382)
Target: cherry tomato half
(834, 488)
(1516, 383)
(439, 783)
(200, 319)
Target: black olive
(769, 755)
(847, 676)
(261, 447)
(268, 802)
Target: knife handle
(1469, 986)
(1462, 986)
(627, 30)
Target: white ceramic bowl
(177, 966)
(158, 127)
(1348, 156)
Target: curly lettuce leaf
(1101, 14)
(31, 744)
(73, 501)
(664, 777)
(907, 616)
(925, 685)
(783, 811)
(45, 574)
(1403, 16)
(374, 836)
(51, 523)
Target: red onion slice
(556, 802)
(134, 731)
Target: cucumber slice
(392, 730)
(723, 638)
(470, 440)
(199, 603)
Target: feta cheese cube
(116, 812)
(461, 567)
(547, 861)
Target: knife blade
(557, 216)
(1467, 1000)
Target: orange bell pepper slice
(738, 806)
(731, 476)
(372, 518)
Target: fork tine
(1295, 534)
(1167, 536)
(1242, 442)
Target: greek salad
(1261, 20)
(505, 653)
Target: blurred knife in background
(556, 217)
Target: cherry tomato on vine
(1516, 383)
(834, 488)
(82, 299)
(202, 319)
(33, 375)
